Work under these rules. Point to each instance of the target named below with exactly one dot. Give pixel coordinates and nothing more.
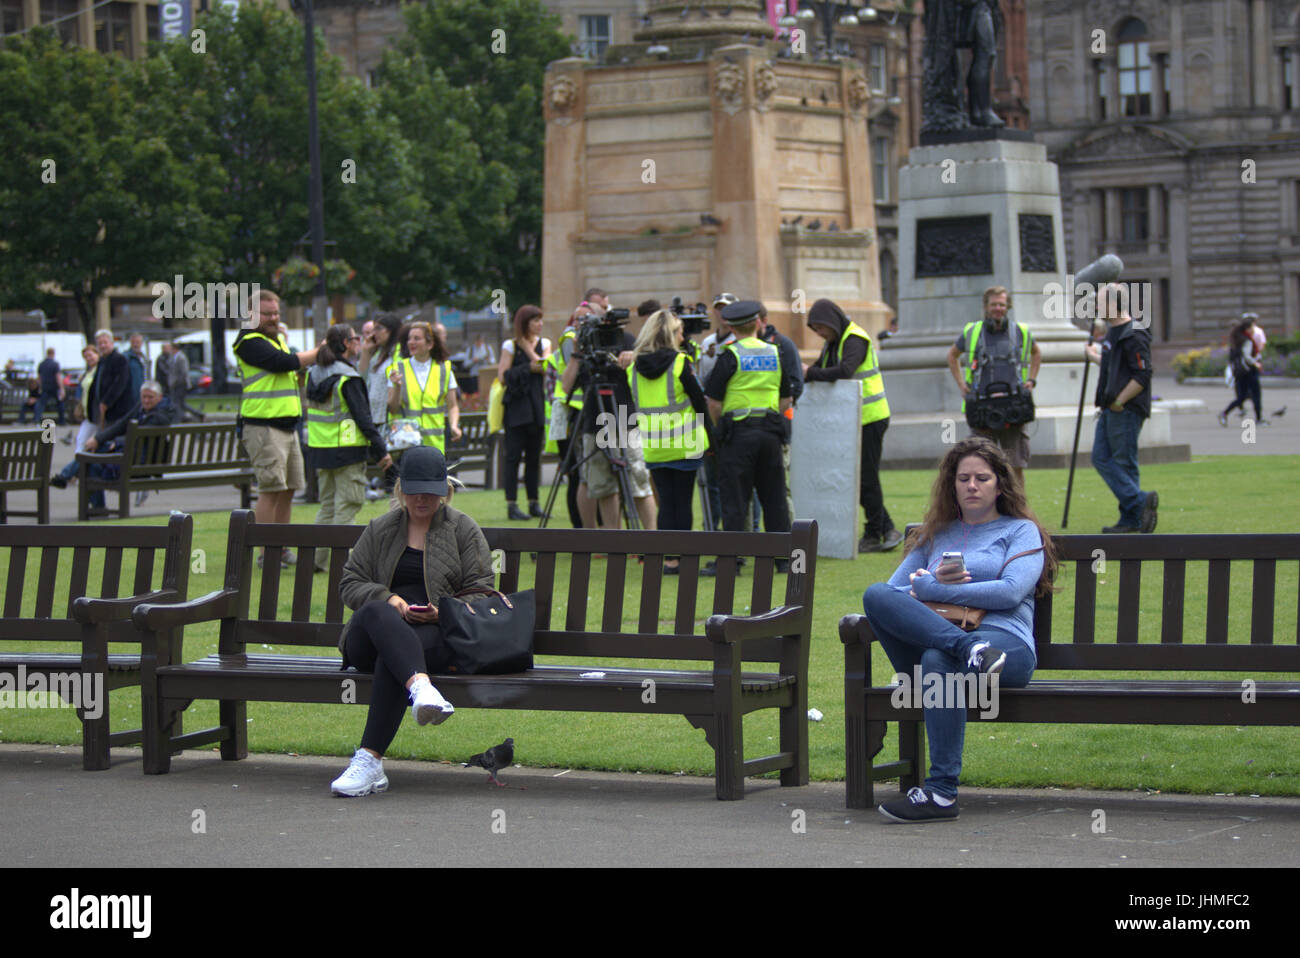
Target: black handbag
(488, 633)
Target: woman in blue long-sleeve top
(977, 508)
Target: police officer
(997, 351)
(270, 408)
(748, 392)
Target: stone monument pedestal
(986, 211)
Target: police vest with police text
(755, 388)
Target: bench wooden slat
(652, 580)
(1085, 601)
(269, 601)
(45, 585)
(1262, 592)
(144, 559)
(302, 581)
(543, 587)
(333, 601)
(1171, 608)
(575, 618)
(1130, 588)
(1216, 612)
(112, 579)
(724, 583)
(611, 619)
(760, 595)
(14, 586)
(688, 585)
(80, 577)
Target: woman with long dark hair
(1244, 357)
(423, 386)
(978, 509)
(521, 370)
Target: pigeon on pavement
(498, 756)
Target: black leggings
(1247, 386)
(523, 442)
(382, 642)
(676, 490)
(574, 477)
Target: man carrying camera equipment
(850, 354)
(1000, 401)
(611, 461)
(748, 392)
(1124, 402)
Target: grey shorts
(276, 457)
(599, 477)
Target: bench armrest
(90, 611)
(730, 629)
(855, 629)
(106, 457)
(222, 604)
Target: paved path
(277, 809)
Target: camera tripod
(603, 393)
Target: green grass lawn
(1203, 496)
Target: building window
(880, 168)
(593, 35)
(113, 29)
(1162, 62)
(152, 28)
(879, 81)
(1289, 92)
(11, 16)
(1134, 69)
(1134, 214)
(888, 279)
(65, 12)
(1102, 81)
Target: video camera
(695, 319)
(600, 338)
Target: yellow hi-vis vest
(874, 404)
(428, 405)
(972, 334)
(268, 395)
(670, 429)
(554, 365)
(330, 424)
(755, 388)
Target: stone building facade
(1176, 126)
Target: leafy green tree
(93, 193)
(249, 90)
(465, 81)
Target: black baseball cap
(744, 311)
(423, 472)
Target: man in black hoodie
(850, 354)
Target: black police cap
(741, 312)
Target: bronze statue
(950, 26)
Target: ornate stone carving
(1286, 14)
(954, 246)
(765, 83)
(729, 86)
(859, 92)
(562, 94)
(1037, 243)
(1196, 18)
(1107, 15)
(1125, 142)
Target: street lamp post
(316, 201)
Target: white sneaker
(428, 705)
(141, 496)
(364, 775)
(985, 658)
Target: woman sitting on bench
(1003, 558)
(405, 561)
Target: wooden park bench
(713, 696)
(76, 594)
(25, 466)
(1233, 654)
(153, 458)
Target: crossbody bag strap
(1018, 555)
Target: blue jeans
(95, 471)
(912, 636)
(1115, 456)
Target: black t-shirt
(1126, 356)
(408, 577)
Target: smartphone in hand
(953, 562)
(421, 608)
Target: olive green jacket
(456, 558)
